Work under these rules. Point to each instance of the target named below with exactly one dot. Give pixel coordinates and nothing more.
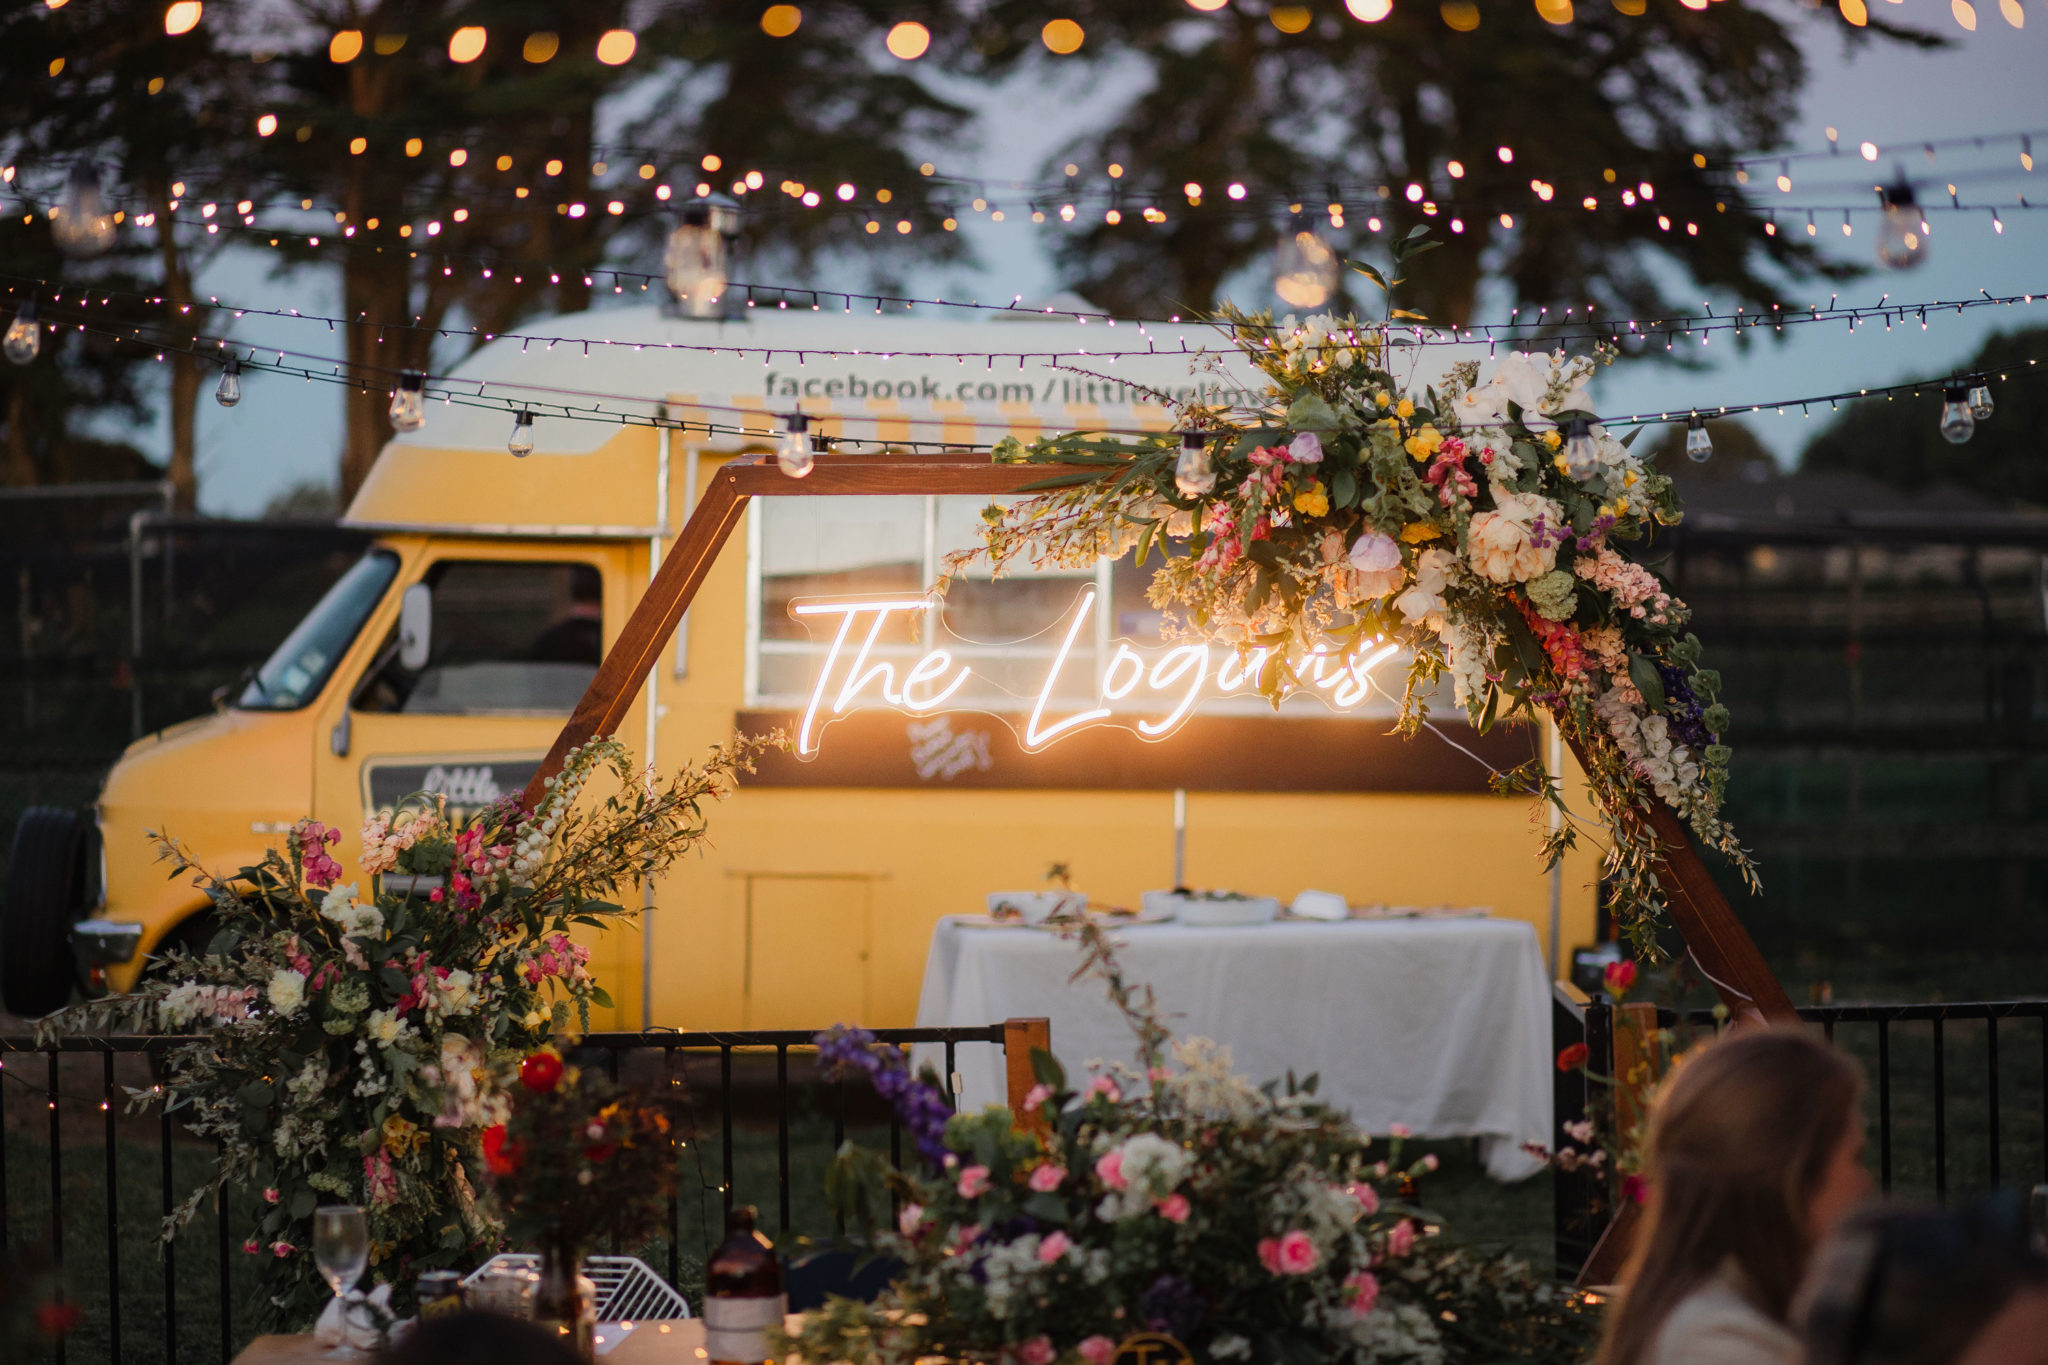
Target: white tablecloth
(1439, 1024)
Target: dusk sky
(1989, 82)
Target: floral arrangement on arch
(357, 1046)
(1487, 527)
(1249, 1223)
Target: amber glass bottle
(743, 1294)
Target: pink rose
(1269, 1254)
(1109, 1169)
(1400, 1130)
(966, 1235)
(1173, 1208)
(1430, 1161)
(1297, 1254)
(1401, 1240)
(973, 1182)
(1039, 1095)
(1368, 1198)
(270, 1196)
(1097, 1350)
(1053, 1247)
(1045, 1179)
(1103, 1086)
(252, 1246)
(1635, 1189)
(282, 1249)
(908, 1218)
(1361, 1291)
(1159, 1075)
(1037, 1351)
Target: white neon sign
(1163, 688)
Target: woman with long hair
(1755, 1152)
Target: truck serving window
(294, 675)
(509, 637)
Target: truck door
(512, 640)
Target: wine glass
(341, 1249)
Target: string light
(408, 410)
(24, 336)
(1699, 447)
(229, 391)
(793, 453)
(1581, 455)
(521, 442)
(1194, 472)
(1957, 424)
(1980, 399)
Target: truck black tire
(46, 881)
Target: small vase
(563, 1298)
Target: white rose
(1485, 406)
(384, 1026)
(1500, 545)
(458, 994)
(336, 900)
(287, 991)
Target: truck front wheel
(46, 883)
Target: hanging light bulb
(1194, 473)
(24, 335)
(521, 444)
(1901, 239)
(1957, 424)
(1980, 398)
(82, 226)
(229, 391)
(1581, 456)
(697, 259)
(794, 455)
(409, 402)
(1699, 447)
(1304, 269)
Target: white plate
(1209, 912)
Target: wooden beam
(1720, 946)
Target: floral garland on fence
(1249, 1223)
(357, 1047)
(1486, 527)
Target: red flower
(600, 1151)
(55, 1318)
(540, 1071)
(1635, 1189)
(1573, 1057)
(500, 1156)
(1619, 976)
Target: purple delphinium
(1172, 1306)
(921, 1107)
(1683, 709)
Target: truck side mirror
(415, 626)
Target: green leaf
(1644, 675)
(1343, 489)
(1048, 1070)
(1145, 544)
(1063, 481)
(1630, 439)
(1309, 412)
(1264, 553)
(1370, 273)
(302, 1204)
(600, 997)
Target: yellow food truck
(448, 657)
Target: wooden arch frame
(1719, 944)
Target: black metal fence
(86, 1185)
(1956, 1097)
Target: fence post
(1020, 1036)
(1574, 1193)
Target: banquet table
(1441, 1024)
(648, 1343)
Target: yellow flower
(1552, 439)
(1628, 480)
(1424, 443)
(401, 1135)
(1313, 500)
(1404, 409)
(1562, 465)
(1383, 398)
(1415, 532)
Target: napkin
(359, 1320)
(1327, 905)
